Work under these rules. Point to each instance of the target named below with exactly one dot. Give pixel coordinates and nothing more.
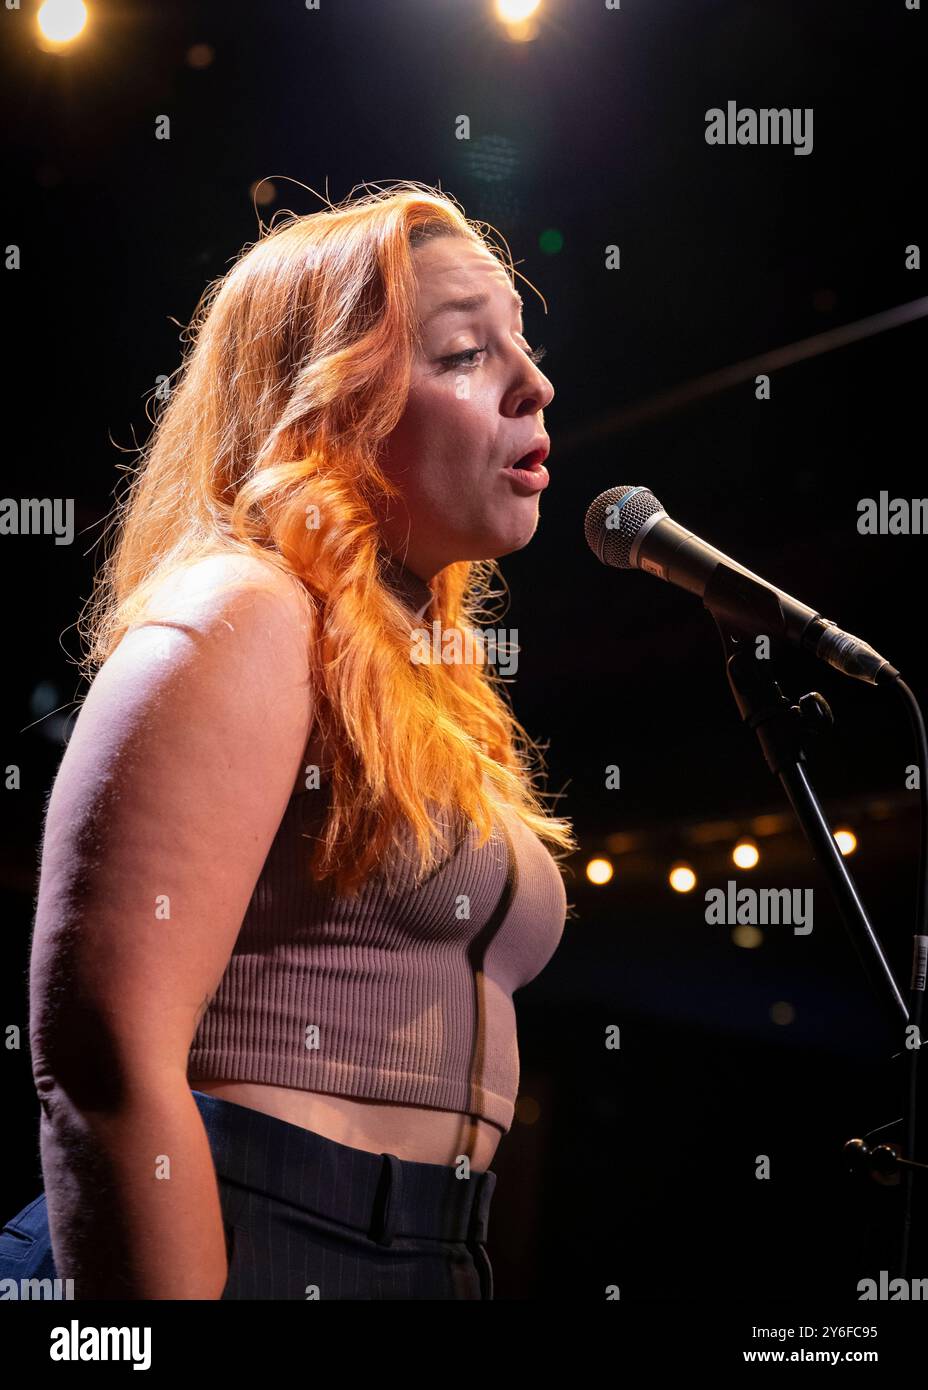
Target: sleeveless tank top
(402, 994)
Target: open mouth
(528, 474)
(529, 463)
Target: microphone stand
(780, 728)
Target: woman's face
(475, 406)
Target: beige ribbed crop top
(403, 996)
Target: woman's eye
(462, 359)
(465, 358)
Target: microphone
(627, 527)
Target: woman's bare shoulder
(207, 589)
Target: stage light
(745, 854)
(527, 1110)
(515, 11)
(773, 823)
(599, 871)
(518, 19)
(60, 21)
(200, 55)
(782, 1013)
(262, 193)
(846, 841)
(682, 879)
(747, 937)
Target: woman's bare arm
(163, 810)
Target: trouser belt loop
(386, 1201)
(480, 1208)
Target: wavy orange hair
(297, 368)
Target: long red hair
(297, 368)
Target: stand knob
(815, 712)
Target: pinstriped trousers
(307, 1218)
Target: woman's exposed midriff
(419, 1134)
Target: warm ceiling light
(61, 20)
(599, 871)
(514, 11)
(745, 854)
(846, 841)
(682, 878)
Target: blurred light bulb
(745, 854)
(61, 20)
(599, 871)
(846, 841)
(513, 11)
(682, 878)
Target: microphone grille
(625, 509)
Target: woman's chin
(519, 535)
(495, 543)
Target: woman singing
(292, 870)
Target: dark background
(632, 1167)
